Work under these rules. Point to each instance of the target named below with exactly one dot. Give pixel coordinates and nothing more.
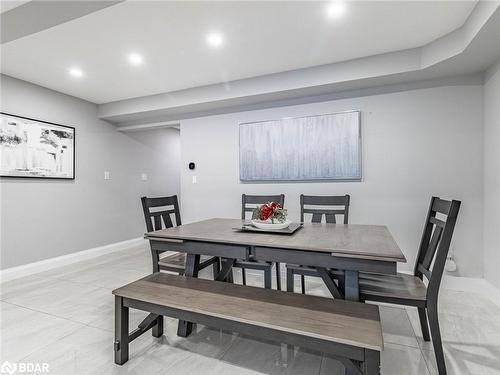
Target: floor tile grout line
(428, 365)
(43, 312)
(416, 338)
(54, 316)
(399, 344)
(55, 340)
(425, 354)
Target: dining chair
(158, 215)
(248, 203)
(410, 290)
(318, 206)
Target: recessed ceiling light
(76, 72)
(215, 39)
(335, 9)
(135, 59)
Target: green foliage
(256, 213)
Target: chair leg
(278, 276)
(244, 276)
(268, 278)
(423, 323)
(432, 312)
(155, 256)
(303, 284)
(289, 280)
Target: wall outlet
(194, 180)
(450, 265)
(106, 175)
(144, 177)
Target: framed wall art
(322, 147)
(36, 149)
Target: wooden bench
(348, 331)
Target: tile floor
(64, 317)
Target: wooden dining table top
(373, 242)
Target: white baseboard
(464, 284)
(47, 264)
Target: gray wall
(492, 176)
(416, 144)
(41, 219)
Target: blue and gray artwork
(324, 147)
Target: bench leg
(121, 332)
(371, 366)
(158, 328)
(184, 328)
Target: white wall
(416, 144)
(492, 176)
(161, 150)
(41, 219)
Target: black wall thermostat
(191, 165)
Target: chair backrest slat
(167, 220)
(248, 202)
(157, 221)
(328, 213)
(435, 243)
(317, 217)
(154, 218)
(437, 222)
(323, 211)
(442, 206)
(425, 272)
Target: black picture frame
(73, 175)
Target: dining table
(349, 248)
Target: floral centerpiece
(270, 213)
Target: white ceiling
(260, 38)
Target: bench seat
(349, 330)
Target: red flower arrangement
(270, 211)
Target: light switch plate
(144, 177)
(194, 180)
(106, 175)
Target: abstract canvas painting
(323, 147)
(34, 148)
